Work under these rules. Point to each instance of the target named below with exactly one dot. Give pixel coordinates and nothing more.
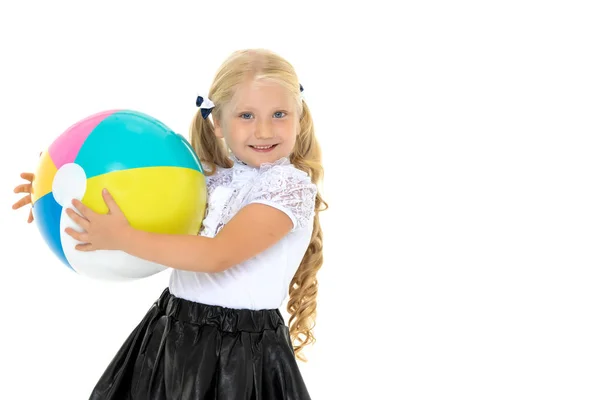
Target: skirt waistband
(223, 318)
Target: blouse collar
(240, 165)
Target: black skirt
(189, 351)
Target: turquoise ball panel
(190, 150)
(47, 212)
(130, 139)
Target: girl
(216, 332)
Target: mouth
(263, 149)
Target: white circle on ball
(69, 183)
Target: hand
(101, 231)
(25, 188)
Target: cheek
(234, 130)
(288, 128)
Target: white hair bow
(206, 106)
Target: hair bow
(206, 106)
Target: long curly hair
(261, 64)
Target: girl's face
(261, 123)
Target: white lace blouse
(262, 281)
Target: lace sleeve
(289, 190)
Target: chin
(256, 161)
(256, 157)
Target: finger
(78, 219)
(82, 208)
(85, 247)
(24, 188)
(30, 219)
(23, 202)
(113, 207)
(79, 236)
(27, 176)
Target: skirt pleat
(191, 351)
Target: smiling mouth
(264, 148)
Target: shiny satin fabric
(189, 351)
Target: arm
(235, 242)
(282, 201)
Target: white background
(461, 153)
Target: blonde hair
(260, 64)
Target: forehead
(258, 94)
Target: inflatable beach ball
(152, 172)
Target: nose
(264, 130)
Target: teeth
(262, 147)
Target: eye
(279, 114)
(246, 115)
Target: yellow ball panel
(44, 175)
(170, 200)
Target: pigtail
(211, 150)
(303, 289)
